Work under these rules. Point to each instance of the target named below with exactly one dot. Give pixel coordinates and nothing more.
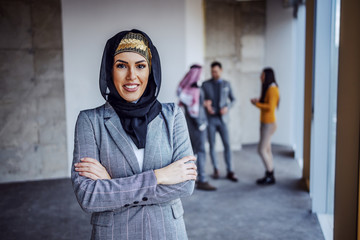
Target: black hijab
(134, 117)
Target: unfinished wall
(32, 105)
(235, 33)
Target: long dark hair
(269, 79)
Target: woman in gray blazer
(132, 157)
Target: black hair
(269, 79)
(216, 63)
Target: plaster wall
(235, 36)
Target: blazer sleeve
(181, 148)
(139, 189)
(231, 96)
(105, 195)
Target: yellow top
(267, 108)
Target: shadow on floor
(242, 210)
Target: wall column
(348, 122)
(309, 52)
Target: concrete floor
(243, 210)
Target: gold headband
(135, 42)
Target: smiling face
(130, 75)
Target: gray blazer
(227, 98)
(132, 205)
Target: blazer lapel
(152, 144)
(116, 131)
(155, 144)
(222, 94)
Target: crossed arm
(97, 192)
(177, 172)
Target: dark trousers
(198, 139)
(216, 124)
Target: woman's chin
(131, 99)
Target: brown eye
(120, 65)
(141, 66)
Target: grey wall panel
(32, 102)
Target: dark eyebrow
(128, 63)
(121, 61)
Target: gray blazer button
(126, 205)
(136, 202)
(144, 199)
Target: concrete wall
(235, 35)
(86, 27)
(32, 107)
(246, 37)
(33, 133)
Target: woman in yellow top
(267, 103)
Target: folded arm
(105, 194)
(181, 150)
(98, 194)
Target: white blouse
(139, 153)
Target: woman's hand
(91, 168)
(177, 172)
(254, 100)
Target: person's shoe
(267, 179)
(205, 186)
(216, 174)
(231, 176)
